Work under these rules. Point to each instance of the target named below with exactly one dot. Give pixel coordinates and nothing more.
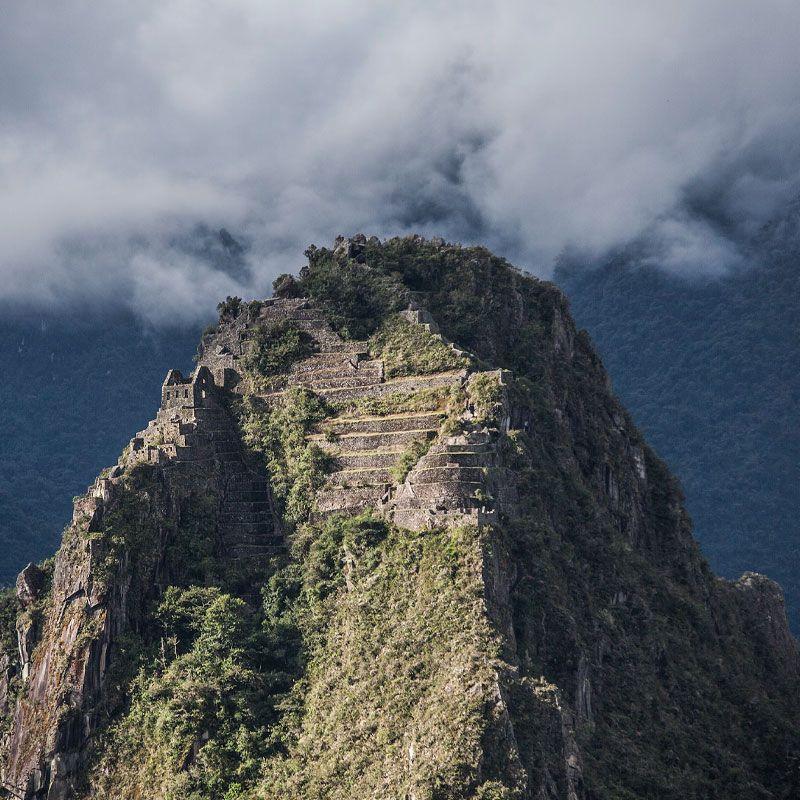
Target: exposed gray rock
(30, 582)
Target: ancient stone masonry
(194, 426)
(455, 481)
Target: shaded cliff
(710, 368)
(394, 537)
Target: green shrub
(276, 347)
(429, 399)
(355, 298)
(182, 611)
(409, 458)
(229, 308)
(297, 467)
(402, 654)
(197, 725)
(486, 397)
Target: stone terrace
(448, 483)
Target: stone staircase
(452, 482)
(366, 449)
(248, 530)
(248, 533)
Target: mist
(126, 129)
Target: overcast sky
(528, 126)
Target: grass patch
(409, 459)
(400, 710)
(297, 468)
(429, 399)
(410, 349)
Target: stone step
(357, 381)
(441, 494)
(254, 502)
(390, 440)
(448, 474)
(209, 414)
(354, 499)
(321, 377)
(394, 422)
(342, 346)
(246, 503)
(233, 469)
(227, 517)
(247, 483)
(250, 529)
(393, 385)
(463, 450)
(422, 518)
(263, 541)
(243, 491)
(367, 459)
(332, 360)
(331, 369)
(227, 441)
(307, 314)
(312, 322)
(245, 498)
(466, 458)
(369, 476)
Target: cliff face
(395, 537)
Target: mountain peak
(394, 536)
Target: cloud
(531, 127)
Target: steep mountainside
(394, 537)
(711, 370)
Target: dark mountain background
(75, 388)
(710, 370)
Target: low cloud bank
(128, 131)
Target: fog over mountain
(533, 128)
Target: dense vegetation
(467, 291)
(275, 348)
(408, 349)
(296, 468)
(710, 369)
